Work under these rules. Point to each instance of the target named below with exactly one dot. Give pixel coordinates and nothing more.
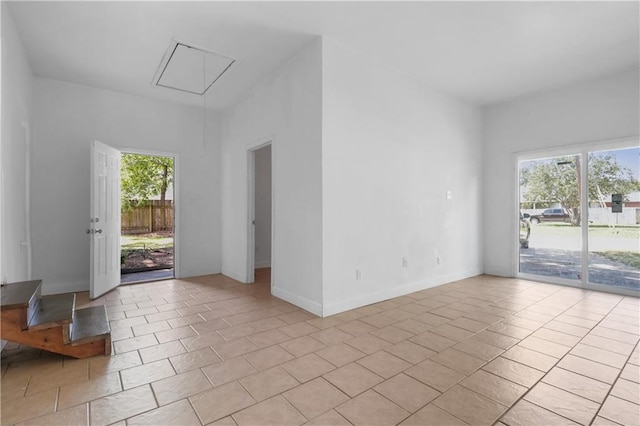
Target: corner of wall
(15, 154)
(600, 110)
(285, 108)
(308, 305)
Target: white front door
(105, 219)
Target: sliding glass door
(614, 218)
(579, 215)
(550, 208)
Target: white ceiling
(483, 52)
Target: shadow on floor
(160, 274)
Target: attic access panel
(191, 69)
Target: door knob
(98, 231)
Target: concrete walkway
(566, 264)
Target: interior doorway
(260, 214)
(148, 217)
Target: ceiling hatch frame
(175, 47)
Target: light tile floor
(209, 350)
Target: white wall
(67, 118)
(14, 152)
(596, 111)
(391, 150)
(263, 207)
(285, 109)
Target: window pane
(550, 193)
(614, 227)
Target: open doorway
(260, 208)
(148, 217)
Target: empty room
(323, 213)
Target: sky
(629, 158)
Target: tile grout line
(485, 363)
(500, 419)
(515, 344)
(619, 373)
(559, 360)
(384, 311)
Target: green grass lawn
(566, 230)
(625, 257)
(136, 242)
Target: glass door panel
(614, 226)
(550, 210)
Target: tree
(143, 177)
(558, 181)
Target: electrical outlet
(405, 262)
(358, 274)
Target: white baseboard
(235, 276)
(390, 293)
(499, 272)
(192, 272)
(262, 264)
(301, 302)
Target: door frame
(583, 149)
(176, 196)
(251, 207)
(27, 197)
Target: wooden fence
(154, 216)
